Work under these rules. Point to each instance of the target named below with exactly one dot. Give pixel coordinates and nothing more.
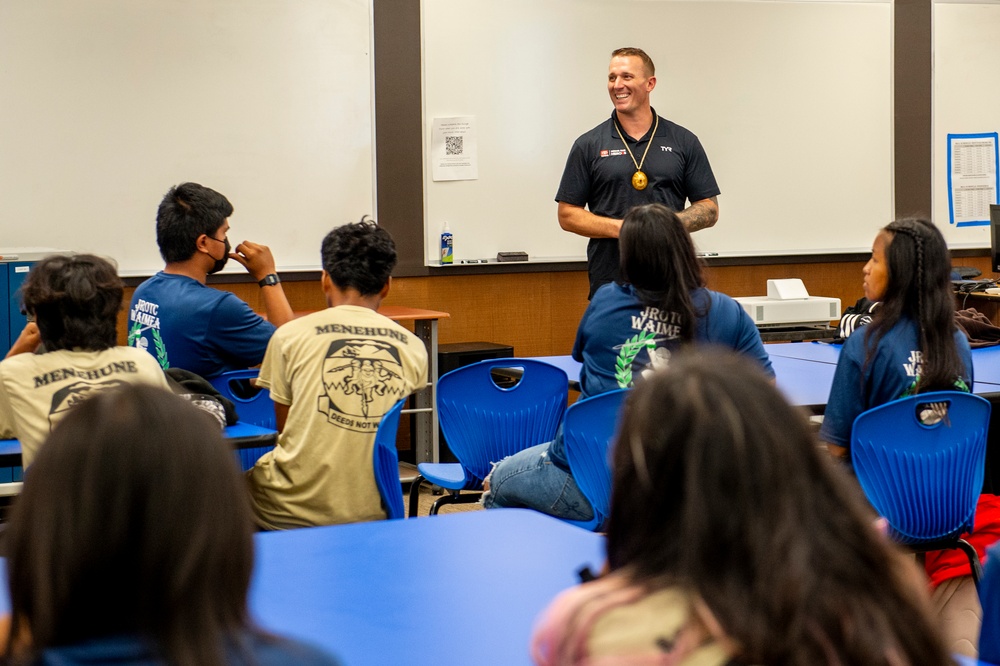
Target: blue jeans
(529, 479)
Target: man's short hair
(647, 62)
(75, 300)
(186, 212)
(360, 255)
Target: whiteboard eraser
(512, 256)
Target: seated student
(75, 300)
(732, 537)
(628, 331)
(186, 324)
(332, 375)
(909, 307)
(912, 344)
(132, 543)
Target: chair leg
(974, 563)
(415, 495)
(456, 497)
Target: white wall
(791, 100)
(105, 104)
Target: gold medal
(639, 179)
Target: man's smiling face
(628, 84)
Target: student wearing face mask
(177, 318)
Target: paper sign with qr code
(453, 149)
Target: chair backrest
(257, 409)
(253, 406)
(923, 475)
(588, 428)
(386, 463)
(484, 423)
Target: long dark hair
(133, 521)
(658, 259)
(719, 488)
(919, 288)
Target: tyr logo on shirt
(356, 373)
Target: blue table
(240, 436)
(805, 383)
(985, 360)
(463, 588)
(484, 576)
(821, 352)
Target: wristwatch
(269, 280)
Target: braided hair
(919, 288)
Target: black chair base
(970, 552)
(452, 497)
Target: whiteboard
(966, 96)
(791, 100)
(106, 104)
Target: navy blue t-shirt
(191, 326)
(620, 339)
(598, 176)
(891, 374)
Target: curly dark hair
(75, 300)
(359, 255)
(187, 211)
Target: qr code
(453, 145)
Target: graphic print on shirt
(70, 396)
(913, 367)
(357, 376)
(655, 326)
(144, 316)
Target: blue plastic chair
(484, 423)
(257, 410)
(925, 477)
(385, 461)
(588, 428)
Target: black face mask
(220, 263)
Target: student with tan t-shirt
(75, 300)
(333, 375)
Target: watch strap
(270, 279)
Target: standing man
(183, 322)
(634, 158)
